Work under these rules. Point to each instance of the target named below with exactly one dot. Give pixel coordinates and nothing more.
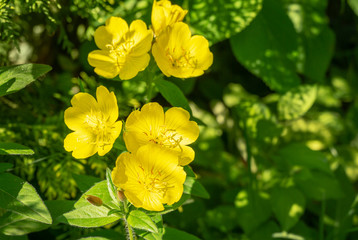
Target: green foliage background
(278, 116)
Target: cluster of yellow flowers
(150, 174)
(124, 50)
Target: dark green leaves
(220, 19)
(14, 78)
(193, 187)
(140, 220)
(14, 149)
(268, 47)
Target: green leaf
(318, 185)
(193, 187)
(288, 205)
(111, 188)
(109, 234)
(15, 224)
(253, 209)
(15, 78)
(140, 220)
(220, 19)
(172, 94)
(224, 218)
(268, 47)
(5, 166)
(58, 207)
(14, 149)
(88, 216)
(354, 5)
(22, 198)
(265, 231)
(6, 237)
(298, 154)
(99, 190)
(175, 234)
(85, 182)
(170, 208)
(296, 102)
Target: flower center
(100, 128)
(152, 181)
(165, 137)
(120, 51)
(181, 58)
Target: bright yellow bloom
(93, 122)
(123, 50)
(150, 177)
(171, 130)
(165, 14)
(181, 55)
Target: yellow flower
(93, 122)
(123, 50)
(150, 177)
(181, 55)
(171, 130)
(165, 14)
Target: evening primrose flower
(171, 130)
(123, 51)
(165, 14)
(149, 177)
(94, 123)
(181, 55)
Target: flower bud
(96, 201)
(121, 196)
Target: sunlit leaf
(22, 198)
(138, 219)
(193, 187)
(220, 19)
(14, 78)
(268, 47)
(14, 149)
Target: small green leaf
(354, 5)
(288, 204)
(89, 216)
(85, 182)
(14, 149)
(14, 78)
(172, 94)
(170, 208)
(140, 220)
(296, 102)
(175, 234)
(193, 187)
(115, 211)
(189, 171)
(5, 166)
(22, 198)
(111, 188)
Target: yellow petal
(141, 36)
(107, 104)
(199, 47)
(118, 173)
(161, 58)
(118, 27)
(105, 65)
(133, 65)
(178, 120)
(103, 37)
(81, 144)
(83, 104)
(187, 155)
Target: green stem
(321, 220)
(128, 226)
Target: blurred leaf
(138, 219)
(298, 154)
(217, 20)
(6, 237)
(85, 182)
(109, 234)
(252, 209)
(15, 78)
(170, 208)
(172, 94)
(222, 217)
(5, 166)
(268, 47)
(88, 216)
(265, 231)
(22, 198)
(354, 5)
(193, 187)
(288, 205)
(111, 188)
(318, 185)
(175, 234)
(296, 102)
(12, 223)
(14, 149)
